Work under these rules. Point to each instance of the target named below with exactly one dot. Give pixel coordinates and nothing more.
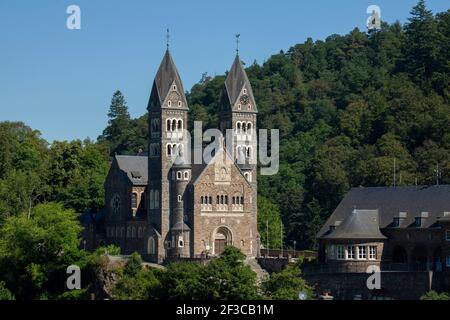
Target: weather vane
(237, 43)
(168, 38)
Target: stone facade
(165, 207)
(405, 231)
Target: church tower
(167, 116)
(238, 112)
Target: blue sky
(60, 81)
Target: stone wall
(395, 285)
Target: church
(165, 206)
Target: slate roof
(409, 202)
(360, 224)
(167, 74)
(235, 81)
(136, 168)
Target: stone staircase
(261, 274)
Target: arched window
(174, 124)
(179, 175)
(249, 152)
(210, 200)
(221, 199)
(218, 200)
(179, 103)
(186, 175)
(233, 200)
(244, 127)
(226, 199)
(238, 127)
(249, 127)
(168, 126)
(242, 200)
(134, 200)
(180, 125)
(179, 198)
(169, 150)
(151, 245)
(169, 103)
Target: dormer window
(179, 175)
(239, 106)
(179, 103)
(244, 91)
(174, 87)
(169, 103)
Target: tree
(228, 278)
(420, 47)
(36, 250)
(118, 131)
(133, 265)
(5, 294)
(269, 223)
(287, 284)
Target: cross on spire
(237, 43)
(167, 38)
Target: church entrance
(222, 238)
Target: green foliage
(433, 295)
(140, 286)
(35, 250)
(133, 265)
(287, 284)
(346, 107)
(5, 294)
(269, 223)
(225, 278)
(228, 278)
(182, 281)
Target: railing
(288, 253)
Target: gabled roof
(135, 167)
(360, 224)
(390, 201)
(166, 76)
(235, 82)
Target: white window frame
(372, 252)
(350, 252)
(362, 253)
(179, 198)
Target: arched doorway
(399, 255)
(222, 238)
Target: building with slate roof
(395, 228)
(164, 206)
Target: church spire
(167, 81)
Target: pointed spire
(166, 77)
(236, 80)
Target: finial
(168, 38)
(237, 43)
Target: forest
(351, 109)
